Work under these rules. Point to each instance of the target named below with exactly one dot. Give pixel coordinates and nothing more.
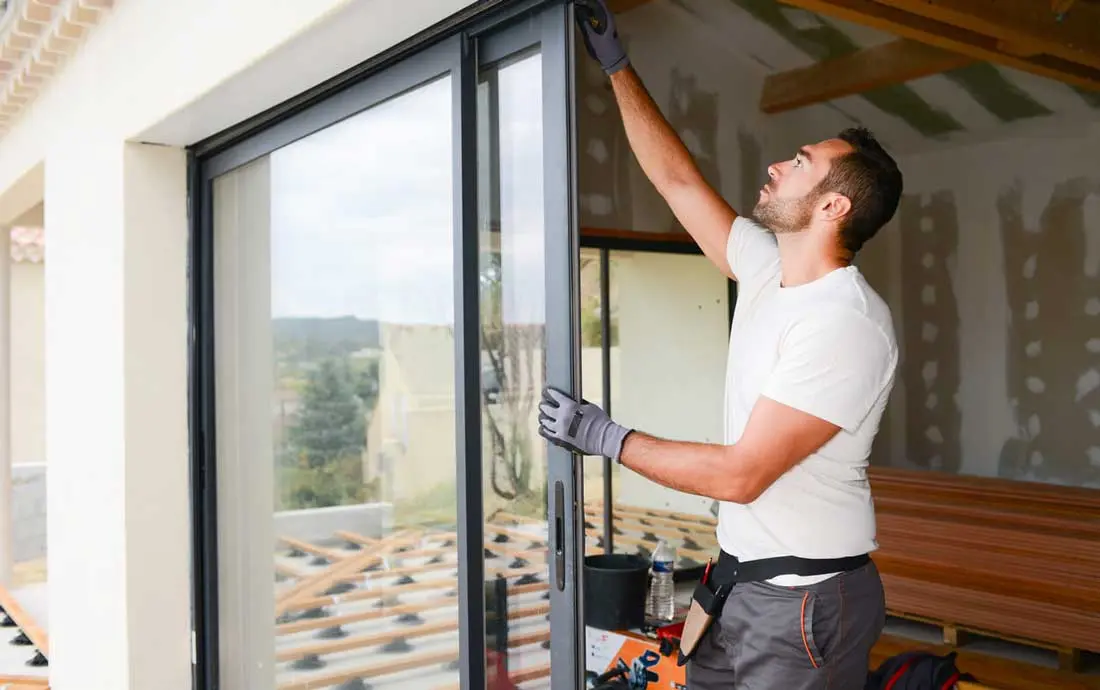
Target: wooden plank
(675, 528)
(649, 513)
(872, 68)
(308, 586)
(374, 639)
(25, 622)
(391, 611)
(23, 682)
(694, 528)
(950, 37)
(1019, 21)
(331, 555)
(636, 235)
(329, 600)
(388, 667)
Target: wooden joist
(1021, 22)
(331, 555)
(388, 667)
(309, 586)
(391, 611)
(379, 638)
(307, 603)
(872, 68)
(25, 622)
(1080, 70)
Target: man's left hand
(579, 426)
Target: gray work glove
(601, 37)
(580, 426)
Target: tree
(322, 465)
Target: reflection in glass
(513, 326)
(336, 406)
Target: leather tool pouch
(706, 605)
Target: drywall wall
(992, 268)
(708, 90)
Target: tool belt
(718, 581)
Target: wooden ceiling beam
(1061, 6)
(949, 37)
(1075, 37)
(888, 64)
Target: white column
(7, 535)
(116, 415)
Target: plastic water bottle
(660, 604)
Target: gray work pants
(814, 637)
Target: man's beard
(783, 216)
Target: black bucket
(615, 587)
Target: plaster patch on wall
(1089, 381)
(1052, 367)
(930, 331)
(605, 158)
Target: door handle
(559, 535)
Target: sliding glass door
(383, 284)
(526, 259)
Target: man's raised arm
(660, 152)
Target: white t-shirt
(827, 348)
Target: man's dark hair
(870, 179)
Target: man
(812, 360)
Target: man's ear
(834, 207)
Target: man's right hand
(601, 37)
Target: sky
(362, 212)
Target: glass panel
(591, 264)
(513, 327)
(670, 323)
(336, 406)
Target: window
(336, 403)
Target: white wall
(28, 368)
(1017, 377)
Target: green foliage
(321, 464)
(331, 425)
